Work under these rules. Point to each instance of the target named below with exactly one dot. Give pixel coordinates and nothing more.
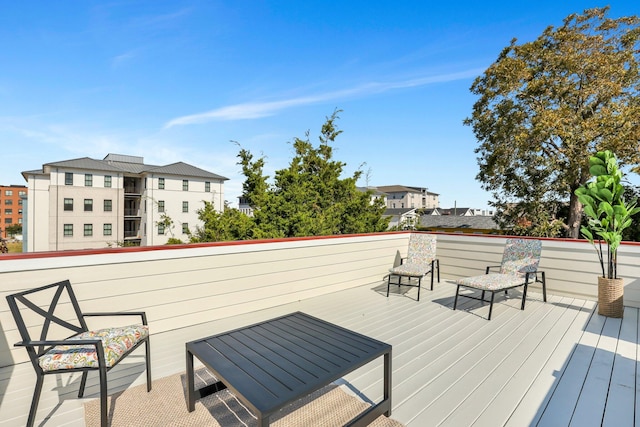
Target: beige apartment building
(87, 203)
(405, 197)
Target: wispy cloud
(119, 60)
(254, 110)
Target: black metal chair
(84, 350)
(519, 266)
(421, 260)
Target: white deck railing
(186, 285)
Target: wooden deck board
(620, 403)
(531, 367)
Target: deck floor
(554, 364)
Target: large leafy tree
(546, 106)
(309, 198)
(230, 224)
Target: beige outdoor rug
(165, 405)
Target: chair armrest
(489, 267)
(142, 314)
(89, 341)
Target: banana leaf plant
(608, 214)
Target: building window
(161, 183)
(106, 229)
(8, 202)
(8, 220)
(207, 186)
(22, 193)
(68, 230)
(108, 205)
(160, 205)
(88, 205)
(19, 211)
(160, 229)
(20, 202)
(88, 230)
(8, 211)
(8, 192)
(185, 206)
(185, 228)
(68, 204)
(88, 180)
(68, 178)
(107, 181)
(185, 185)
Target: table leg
(191, 394)
(387, 380)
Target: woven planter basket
(610, 293)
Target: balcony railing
(187, 285)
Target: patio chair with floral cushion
(519, 267)
(53, 311)
(420, 261)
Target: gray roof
(84, 163)
(374, 190)
(403, 188)
(453, 221)
(119, 163)
(184, 169)
(456, 211)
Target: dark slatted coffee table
(274, 363)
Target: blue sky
(179, 80)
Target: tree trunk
(575, 217)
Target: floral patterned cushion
(412, 270)
(115, 341)
(492, 281)
(521, 256)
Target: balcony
(555, 363)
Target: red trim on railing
(79, 252)
(100, 251)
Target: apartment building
(87, 203)
(401, 197)
(10, 206)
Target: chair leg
(455, 301)
(524, 296)
(34, 402)
(482, 297)
(419, 286)
(438, 268)
(148, 357)
(544, 287)
(432, 275)
(103, 397)
(83, 382)
(388, 284)
(491, 305)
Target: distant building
(402, 196)
(244, 207)
(87, 203)
(467, 212)
(11, 206)
(375, 194)
(403, 218)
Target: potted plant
(608, 214)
